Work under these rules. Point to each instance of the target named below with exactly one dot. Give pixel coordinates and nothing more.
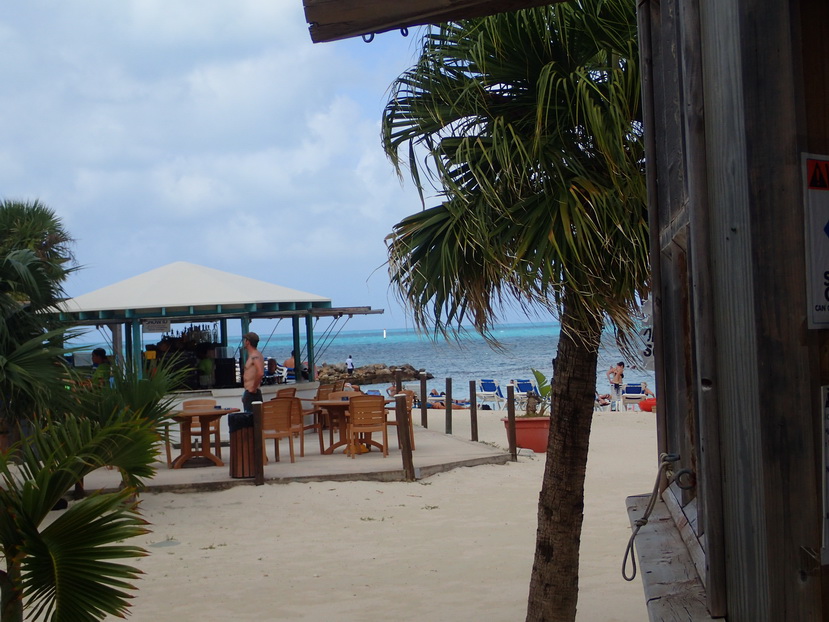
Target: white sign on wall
(815, 170)
(156, 326)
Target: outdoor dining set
(352, 415)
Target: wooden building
(737, 123)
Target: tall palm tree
(529, 123)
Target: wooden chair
(286, 392)
(321, 415)
(195, 428)
(277, 424)
(410, 397)
(366, 415)
(331, 416)
(299, 426)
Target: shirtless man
(254, 370)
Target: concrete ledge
(673, 590)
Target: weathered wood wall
(727, 121)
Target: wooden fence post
(424, 399)
(258, 462)
(402, 415)
(448, 403)
(473, 411)
(513, 449)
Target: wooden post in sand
(424, 416)
(473, 411)
(258, 462)
(513, 449)
(448, 403)
(401, 413)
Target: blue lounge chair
(523, 389)
(489, 391)
(633, 393)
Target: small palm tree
(530, 125)
(64, 571)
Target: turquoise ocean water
(523, 347)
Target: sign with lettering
(815, 169)
(156, 326)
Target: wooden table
(339, 408)
(205, 416)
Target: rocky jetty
(378, 373)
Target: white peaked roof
(183, 289)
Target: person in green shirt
(101, 367)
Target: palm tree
(529, 124)
(65, 569)
(35, 260)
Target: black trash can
(241, 444)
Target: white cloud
(216, 132)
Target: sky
(213, 132)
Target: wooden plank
(330, 20)
(684, 519)
(673, 591)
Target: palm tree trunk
(554, 583)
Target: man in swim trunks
(254, 371)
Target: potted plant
(532, 428)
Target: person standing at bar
(254, 371)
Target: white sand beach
(456, 546)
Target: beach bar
(182, 293)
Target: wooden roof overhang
(331, 20)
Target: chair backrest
(634, 389)
(276, 414)
(338, 385)
(323, 391)
(367, 411)
(337, 395)
(286, 392)
(296, 411)
(198, 403)
(525, 386)
(487, 385)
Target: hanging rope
(328, 338)
(666, 461)
(278, 322)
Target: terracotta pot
(531, 432)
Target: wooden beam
(330, 20)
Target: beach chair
(632, 394)
(523, 389)
(490, 391)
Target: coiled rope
(665, 460)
